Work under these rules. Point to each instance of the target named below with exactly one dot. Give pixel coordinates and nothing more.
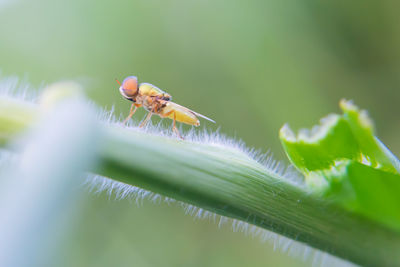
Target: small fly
(156, 101)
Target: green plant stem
(230, 183)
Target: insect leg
(146, 119)
(174, 128)
(131, 112)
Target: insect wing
(202, 116)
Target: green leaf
(363, 130)
(332, 141)
(348, 136)
(366, 190)
(342, 160)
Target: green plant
(332, 211)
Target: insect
(156, 101)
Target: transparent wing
(202, 116)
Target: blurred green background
(250, 65)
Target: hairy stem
(228, 182)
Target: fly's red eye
(130, 86)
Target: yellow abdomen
(182, 114)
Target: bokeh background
(250, 65)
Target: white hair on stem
(118, 190)
(214, 138)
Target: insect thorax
(151, 103)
